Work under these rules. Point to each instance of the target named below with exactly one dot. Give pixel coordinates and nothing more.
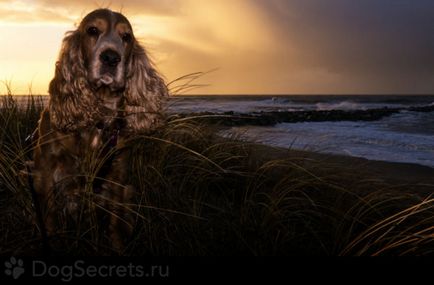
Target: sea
(406, 136)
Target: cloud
(273, 46)
(377, 46)
(62, 11)
(18, 12)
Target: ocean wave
(279, 100)
(345, 106)
(371, 140)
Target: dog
(105, 90)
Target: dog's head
(102, 56)
(107, 43)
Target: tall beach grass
(196, 193)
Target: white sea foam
(345, 105)
(371, 140)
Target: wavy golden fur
(75, 104)
(105, 89)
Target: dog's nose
(110, 58)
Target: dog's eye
(93, 31)
(126, 37)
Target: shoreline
(406, 175)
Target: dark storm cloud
(377, 43)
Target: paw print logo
(14, 268)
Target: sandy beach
(398, 174)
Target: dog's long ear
(71, 99)
(145, 92)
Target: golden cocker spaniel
(105, 89)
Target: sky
(250, 46)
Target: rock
(272, 118)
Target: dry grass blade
(185, 83)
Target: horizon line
(271, 94)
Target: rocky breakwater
(273, 118)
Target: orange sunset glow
(255, 47)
